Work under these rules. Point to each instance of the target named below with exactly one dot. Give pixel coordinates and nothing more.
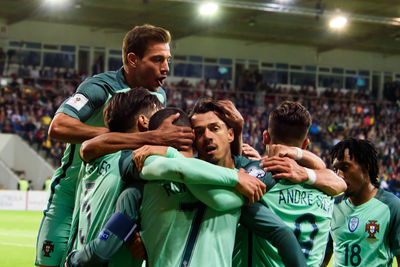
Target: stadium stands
(31, 98)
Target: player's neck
(227, 162)
(129, 78)
(187, 153)
(364, 196)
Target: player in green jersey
(306, 210)
(104, 178)
(98, 252)
(145, 63)
(366, 220)
(188, 233)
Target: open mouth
(210, 149)
(160, 81)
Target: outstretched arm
(286, 168)
(303, 157)
(167, 134)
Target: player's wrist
(299, 154)
(312, 176)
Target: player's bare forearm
(67, 129)
(306, 159)
(312, 161)
(328, 182)
(112, 142)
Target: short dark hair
(138, 38)
(363, 152)
(157, 119)
(289, 123)
(203, 106)
(123, 109)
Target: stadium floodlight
(338, 22)
(208, 9)
(56, 3)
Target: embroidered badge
(372, 228)
(353, 224)
(47, 248)
(255, 172)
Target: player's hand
(232, 116)
(281, 151)
(250, 187)
(179, 137)
(140, 154)
(136, 246)
(249, 152)
(285, 168)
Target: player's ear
(132, 59)
(142, 123)
(266, 137)
(305, 143)
(231, 135)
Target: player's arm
(303, 157)
(67, 129)
(167, 135)
(328, 252)
(194, 171)
(264, 223)
(224, 199)
(119, 230)
(322, 179)
(68, 124)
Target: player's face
(151, 70)
(355, 176)
(212, 137)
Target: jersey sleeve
(89, 96)
(219, 198)
(264, 223)
(127, 167)
(114, 234)
(187, 171)
(394, 233)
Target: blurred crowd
(29, 101)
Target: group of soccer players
(140, 194)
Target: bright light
(338, 22)
(208, 9)
(56, 3)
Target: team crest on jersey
(372, 228)
(353, 224)
(255, 172)
(47, 248)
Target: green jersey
(366, 235)
(178, 230)
(97, 193)
(86, 105)
(308, 212)
(259, 224)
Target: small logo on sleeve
(353, 224)
(77, 101)
(47, 248)
(104, 235)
